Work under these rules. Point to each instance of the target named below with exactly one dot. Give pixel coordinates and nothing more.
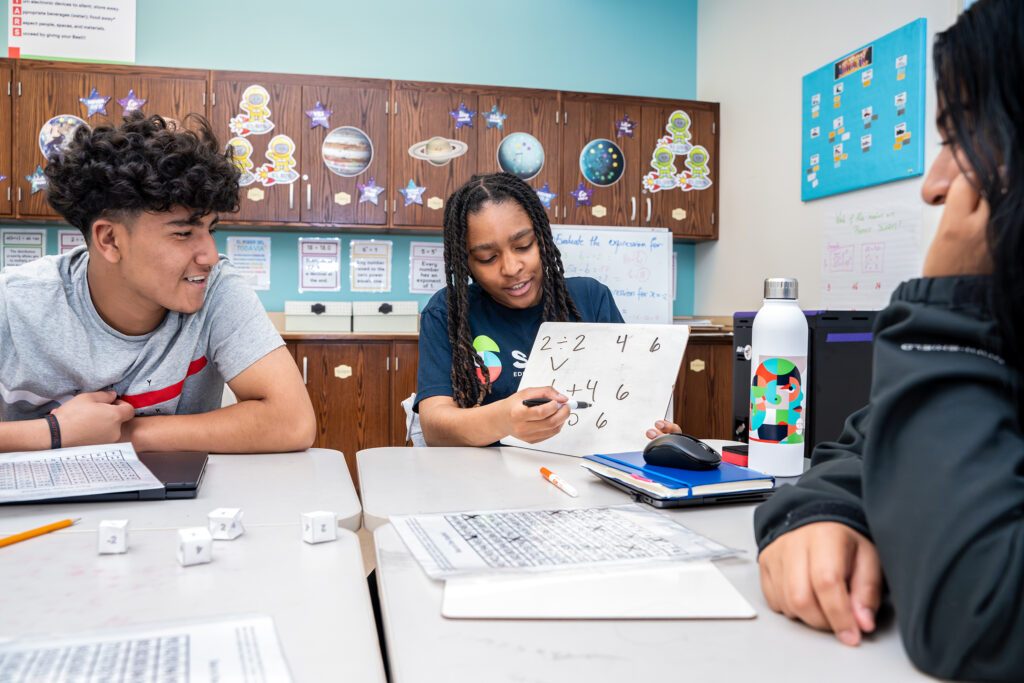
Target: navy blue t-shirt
(504, 336)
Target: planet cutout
(347, 151)
(437, 150)
(602, 162)
(521, 154)
(56, 134)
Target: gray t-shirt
(54, 345)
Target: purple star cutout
(545, 195)
(624, 127)
(413, 193)
(37, 178)
(495, 119)
(318, 116)
(582, 195)
(463, 116)
(95, 103)
(369, 191)
(131, 103)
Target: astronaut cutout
(665, 174)
(697, 162)
(679, 133)
(256, 119)
(281, 169)
(241, 156)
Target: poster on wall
(370, 265)
(251, 258)
(426, 267)
(319, 264)
(863, 116)
(18, 246)
(68, 240)
(84, 32)
(866, 253)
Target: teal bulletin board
(863, 116)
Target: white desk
(316, 594)
(423, 646)
(272, 488)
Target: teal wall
(641, 47)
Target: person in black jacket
(925, 486)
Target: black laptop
(180, 471)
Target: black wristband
(51, 420)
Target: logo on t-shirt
(488, 352)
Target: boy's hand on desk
(92, 418)
(825, 574)
(536, 423)
(663, 427)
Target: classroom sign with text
(101, 31)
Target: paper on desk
(676, 590)
(77, 471)
(243, 648)
(481, 542)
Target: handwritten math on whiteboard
(626, 372)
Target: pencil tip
(76, 520)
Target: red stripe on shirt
(151, 398)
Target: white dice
(112, 536)
(318, 527)
(226, 523)
(195, 546)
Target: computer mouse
(682, 452)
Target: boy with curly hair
(132, 336)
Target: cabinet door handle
(396, 363)
(632, 201)
(305, 363)
(309, 191)
(8, 193)
(394, 206)
(387, 364)
(648, 209)
(291, 196)
(19, 195)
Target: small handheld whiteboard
(626, 372)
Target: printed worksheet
(77, 471)
(244, 649)
(464, 543)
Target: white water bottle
(778, 382)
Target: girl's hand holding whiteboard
(533, 424)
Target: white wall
(751, 57)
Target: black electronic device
(681, 452)
(839, 348)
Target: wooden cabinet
(357, 384)
(6, 126)
(435, 129)
(703, 393)
(52, 99)
(349, 149)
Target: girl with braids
(474, 338)
(927, 482)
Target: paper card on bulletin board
(863, 116)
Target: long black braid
(558, 305)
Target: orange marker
(38, 532)
(553, 478)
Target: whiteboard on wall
(634, 263)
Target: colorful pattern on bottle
(777, 400)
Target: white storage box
(385, 316)
(318, 316)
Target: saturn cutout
(438, 151)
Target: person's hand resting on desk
(826, 575)
(92, 418)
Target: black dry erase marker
(573, 405)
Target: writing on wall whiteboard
(626, 372)
(634, 263)
(866, 253)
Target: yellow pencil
(38, 532)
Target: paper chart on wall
(21, 246)
(867, 253)
(244, 648)
(426, 267)
(319, 264)
(626, 372)
(251, 258)
(370, 265)
(68, 240)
